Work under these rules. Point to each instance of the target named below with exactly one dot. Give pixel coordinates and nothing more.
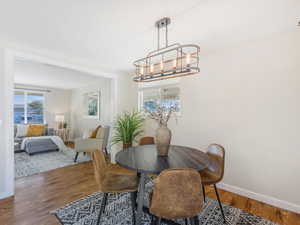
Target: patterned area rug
(26, 165)
(118, 212)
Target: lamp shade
(59, 118)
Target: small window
(166, 96)
(28, 107)
(35, 108)
(19, 107)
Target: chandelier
(168, 62)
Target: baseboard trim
(5, 195)
(260, 197)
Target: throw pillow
(35, 130)
(94, 133)
(21, 130)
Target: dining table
(144, 160)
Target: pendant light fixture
(168, 62)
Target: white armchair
(91, 144)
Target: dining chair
(111, 178)
(146, 141)
(215, 171)
(176, 194)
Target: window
(166, 96)
(28, 107)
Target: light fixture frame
(145, 68)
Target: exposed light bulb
(142, 70)
(174, 63)
(161, 65)
(188, 59)
(151, 68)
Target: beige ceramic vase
(163, 140)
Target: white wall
(117, 95)
(57, 101)
(247, 99)
(6, 128)
(79, 122)
(43, 74)
(125, 91)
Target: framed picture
(91, 103)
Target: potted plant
(128, 127)
(163, 134)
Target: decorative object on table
(63, 133)
(99, 142)
(60, 119)
(168, 62)
(184, 201)
(147, 141)
(128, 127)
(91, 105)
(215, 171)
(163, 135)
(118, 212)
(113, 179)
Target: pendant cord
(158, 38)
(166, 35)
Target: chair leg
(133, 205)
(204, 195)
(196, 220)
(134, 198)
(76, 156)
(220, 204)
(153, 219)
(186, 221)
(102, 208)
(158, 220)
(105, 150)
(192, 221)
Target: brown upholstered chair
(112, 178)
(146, 141)
(215, 171)
(177, 194)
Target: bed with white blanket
(39, 144)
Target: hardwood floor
(38, 194)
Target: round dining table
(144, 160)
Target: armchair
(91, 144)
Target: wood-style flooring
(37, 195)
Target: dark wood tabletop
(144, 159)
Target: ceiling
(113, 33)
(37, 74)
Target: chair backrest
(177, 194)
(103, 133)
(217, 155)
(100, 167)
(146, 141)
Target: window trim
(26, 91)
